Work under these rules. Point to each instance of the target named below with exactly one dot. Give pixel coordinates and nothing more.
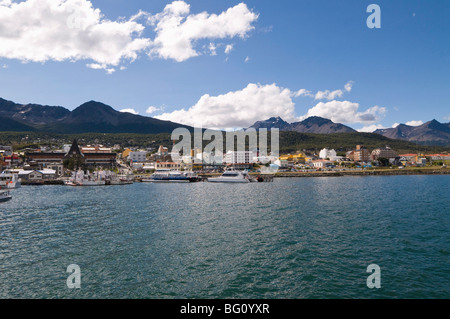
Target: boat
(231, 176)
(170, 176)
(10, 180)
(79, 178)
(5, 195)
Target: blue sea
(294, 238)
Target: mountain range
(90, 117)
(96, 117)
(432, 133)
(314, 124)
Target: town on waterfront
(228, 150)
(128, 164)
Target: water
(293, 238)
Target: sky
(228, 64)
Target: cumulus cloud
(371, 128)
(73, 30)
(228, 48)
(332, 95)
(67, 30)
(132, 111)
(238, 108)
(152, 109)
(177, 31)
(303, 92)
(410, 123)
(346, 112)
(348, 87)
(321, 95)
(414, 123)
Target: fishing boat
(231, 176)
(10, 180)
(169, 176)
(5, 195)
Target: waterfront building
(239, 157)
(361, 154)
(384, 152)
(168, 165)
(90, 156)
(137, 157)
(37, 175)
(321, 164)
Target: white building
(137, 157)
(239, 157)
(326, 153)
(322, 164)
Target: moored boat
(231, 176)
(10, 180)
(5, 195)
(169, 176)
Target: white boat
(232, 177)
(5, 196)
(10, 181)
(169, 176)
(81, 179)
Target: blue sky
(285, 58)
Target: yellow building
(296, 158)
(126, 153)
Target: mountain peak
(314, 124)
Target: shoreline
(393, 172)
(364, 173)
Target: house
(321, 164)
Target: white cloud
(153, 109)
(371, 128)
(395, 125)
(447, 118)
(132, 111)
(228, 48)
(348, 87)
(247, 59)
(414, 123)
(332, 95)
(177, 31)
(321, 95)
(67, 30)
(212, 48)
(345, 112)
(303, 92)
(73, 30)
(237, 109)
